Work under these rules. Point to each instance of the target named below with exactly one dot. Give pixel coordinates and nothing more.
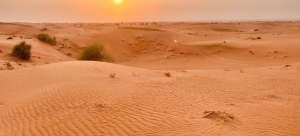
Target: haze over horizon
(146, 10)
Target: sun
(118, 1)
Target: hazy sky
(146, 10)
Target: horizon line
(164, 21)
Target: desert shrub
(47, 39)
(44, 29)
(9, 66)
(112, 75)
(22, 51)
(95, 52)
(168, 74)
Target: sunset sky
(146, 10)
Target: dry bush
(112, 75)
(47, 38)
(22, 51)
(44, 29)
(95, 52)
(168, 74)
(9, 66)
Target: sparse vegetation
(9, 66)
(226, 69)
(168, 74)
(95, 52)
(251, 52)
(22, 51)
(44, 29)
(112, 75)
(256, 30)
(47, 38)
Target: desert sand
(191, 79)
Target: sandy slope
(79, 98)
(254, 83)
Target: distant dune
(166, 79)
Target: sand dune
(79, 98)
(162, 46)
(223, 80)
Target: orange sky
(146, 10)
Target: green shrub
(47, 39)
(95, 52)
(22, 51)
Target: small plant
(112, 75)
(256, 30)
(251, 52)
(259, 38)
(22, 51)
(226, 69)
(168, 74)
(44, 29)
(9, 66)
(95, 52)
(47, 39)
